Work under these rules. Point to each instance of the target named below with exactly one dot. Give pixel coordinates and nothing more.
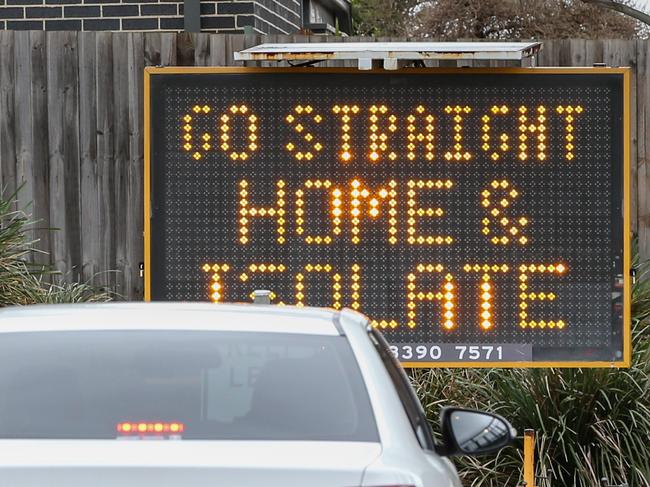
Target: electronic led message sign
(477, 216)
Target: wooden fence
(71, 134)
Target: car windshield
(209, 385)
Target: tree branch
(624, 9)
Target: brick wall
(264, 16)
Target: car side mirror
(469, 432)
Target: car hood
(73, 463)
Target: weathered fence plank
(7, 120)
(168, 49)
(71, 132)
(71, 151)
(63, 139)
(152, 46)
(31, 119)
(24, 133)
(105, 154)
(40, 152)
(621, 53)
(121, 90)
(218, 50)
(235, 43)
(201, 44)
(642, 196)
(593, 52)
(90, 217)
(549, 54)
(133, 285)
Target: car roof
(169, 316)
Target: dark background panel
(573, 206)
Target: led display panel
(478, 217)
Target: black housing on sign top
(478, 217)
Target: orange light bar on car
(149, 428)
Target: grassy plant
(590, 423)
(24, 283)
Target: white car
(180, 394)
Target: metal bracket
(391, 64)
(305, 64)
(261, 296)
(364, 64)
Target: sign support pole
(529, 458)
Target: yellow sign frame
(627, 235)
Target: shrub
(24, 283)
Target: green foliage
(24, 283)
(590, 423)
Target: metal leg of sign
(529, 458)
(364, 64)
